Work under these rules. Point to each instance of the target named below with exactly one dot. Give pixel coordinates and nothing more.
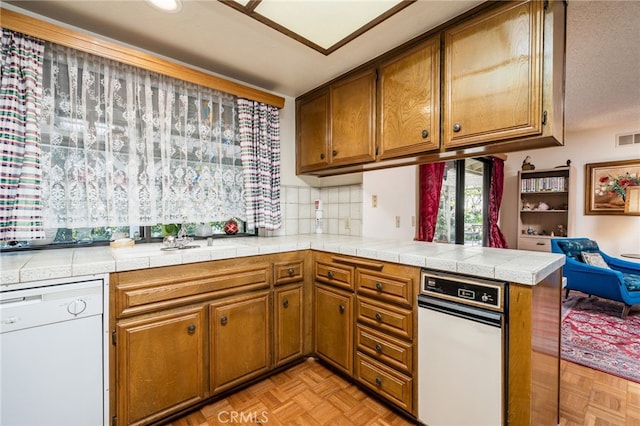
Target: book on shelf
(544, 184)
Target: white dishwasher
(52, 353)
(461, 351)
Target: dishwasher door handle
(460, 310)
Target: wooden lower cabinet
(240, 345)
(334, 327)
(288, 323)
(150, 352)
(185, 334)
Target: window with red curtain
(459, 202)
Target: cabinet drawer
(385, 287)
(393, 352)
(288, 272)
(385, 317)
(333, 274)
(148, 290)
(534, 243)
(388, 383)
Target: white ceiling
(603, 46)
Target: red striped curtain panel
(260, 146)
(20, 171)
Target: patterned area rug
(594, 335)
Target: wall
(395, 190)
(614, 234)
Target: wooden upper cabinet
(335, 125)
(312, 116)
(408, 101)
(353, 101)
(493, 76)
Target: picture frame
(606, 183)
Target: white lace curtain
(20, 174)
(124, 146)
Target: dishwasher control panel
(462, 289)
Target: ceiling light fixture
(172, 6)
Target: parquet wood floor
(308, 395)
(589, 397)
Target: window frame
(460, 199)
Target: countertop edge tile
(510, 265)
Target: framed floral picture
(606, 184)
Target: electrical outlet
(347, 223)
(374, 201)
(397, 221)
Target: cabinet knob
(425, 134)
(378, 381)
(378, 285)
(334, 152)
(457, 127)
(191, 329)
(330, 274)
(223, 320)
(379, 348)
(379, 316)
(285, 303)
(322, 156)
(341, 308)
(291, 272)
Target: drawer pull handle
(223, 320)
(379, 286)
(334, 152)
(457, 127)
(191, 329)
(322, 156)
(379, 348)
(291, 272)
(342, 308)
(285, 303)
(379, 316)
(539, 243)
(330, 274)
(425, 133)
(378, 381)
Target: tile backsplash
(341, 210)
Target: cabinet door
(239, 342)
(409, 98)
(334, 327)
(312, 115)
(160, 365)
(288, 323)
(493, 76)
(353, 119)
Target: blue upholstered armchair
(615, 279)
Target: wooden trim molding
(110, 50)
(250, 10)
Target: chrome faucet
(180, 241)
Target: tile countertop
(524, 267)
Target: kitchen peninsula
(265, 275)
